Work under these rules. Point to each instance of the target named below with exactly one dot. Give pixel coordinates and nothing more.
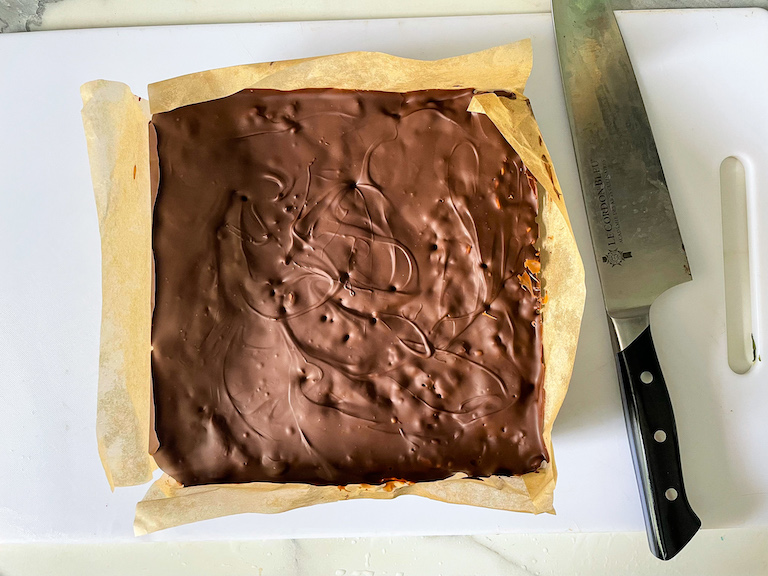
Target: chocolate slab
(346, 291)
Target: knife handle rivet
(646, 377)
(659, 436)
(671, 494)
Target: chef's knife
(637, 244)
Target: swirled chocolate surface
(346, 291)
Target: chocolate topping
(345, 291)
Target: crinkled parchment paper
(116, 126)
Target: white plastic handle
(742, 350)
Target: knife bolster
(628, 329)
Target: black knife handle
(669, 520)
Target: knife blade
(637, 245)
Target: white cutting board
(690, 66)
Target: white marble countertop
(712, 552)
(715, 552)
(20, 15)
(29, 15)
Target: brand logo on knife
(614, 257)
(601, 180)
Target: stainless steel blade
(638, 247)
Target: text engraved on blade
(608, 214)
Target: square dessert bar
(346, 291)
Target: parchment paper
(167, 503)
(115, 123)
